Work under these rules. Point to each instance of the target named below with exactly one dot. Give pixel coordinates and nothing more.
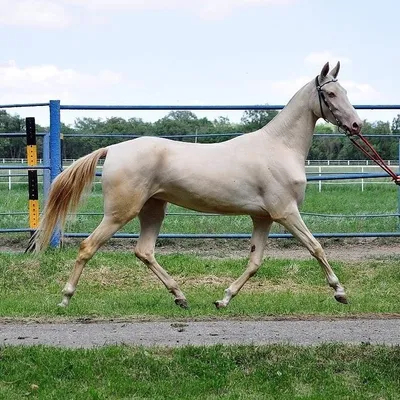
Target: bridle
(364, 146)
(322, 98)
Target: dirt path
(299, 332)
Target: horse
(260, 174)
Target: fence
(52, 164)
(314, 168)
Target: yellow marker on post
(31, 153)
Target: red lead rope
(370, 152)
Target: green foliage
(396, 124)
(214, 372)
(116, 284)
(253, 120)
(187, 123)
(346, 200)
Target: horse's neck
(295, 124)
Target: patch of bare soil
(336, 249)
(342, 249)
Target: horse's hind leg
(108, 226)
(151, 217)
(295, 224)
(259, 238)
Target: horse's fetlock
(173, 288)
(68, 290)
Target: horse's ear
(335, 70)
(324, 71)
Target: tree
(12, 147)
(253, 120)
(396, 124)
(181, 123)
(385, 145)
(324, 147)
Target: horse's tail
(65, 194)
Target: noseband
(322, 98)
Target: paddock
(135, 330)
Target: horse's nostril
(356, 127)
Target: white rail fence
(14, 178)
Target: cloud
(171, 4)
(206, 9)
(43, 82)
(34, 13)
(49, 14)
(361, 92)
(320, 58)
(357, 92)
(285, 89)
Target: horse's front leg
(261, 227)
(294, 224)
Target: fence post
(319, 182)
(362, 180)
(55, 155)
(398, 194)
(31, 157)
(46, 161)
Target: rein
(364, 146)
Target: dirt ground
(339, 249)
(352, 249)
(336, 249)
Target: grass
(115, 284)
(217, 372)
(348, 203)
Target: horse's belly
(210, 204)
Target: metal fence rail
(52, 164)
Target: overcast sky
(199, 52)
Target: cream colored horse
(260, 174)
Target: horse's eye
(331, 94)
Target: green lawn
(217, 372)
(116, 284)
(342, 207)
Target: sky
(193, 52)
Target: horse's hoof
(182, 303)
(61, 305)
(219, 304)
(341, 299)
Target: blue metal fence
(52, 157)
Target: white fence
(12, 178)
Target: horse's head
(331, 101)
